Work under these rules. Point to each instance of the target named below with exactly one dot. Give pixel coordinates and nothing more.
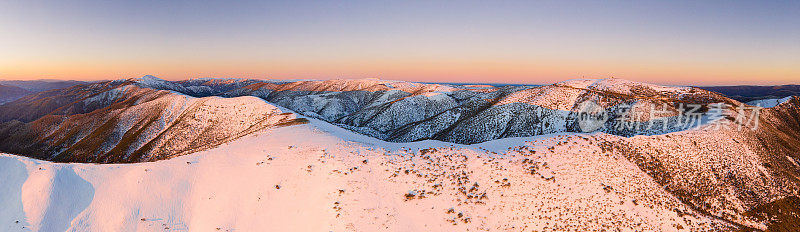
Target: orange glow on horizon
(473, 71)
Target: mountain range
(717, 173)
(120, 118)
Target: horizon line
(366, 78)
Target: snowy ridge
(133, 124)
(621, 86)
(769, 103)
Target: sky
(524, 42)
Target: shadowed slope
(119, 122)
(10, 93)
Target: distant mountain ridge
(10, 93)
(13, 90)
(746, 93)
(41, 85)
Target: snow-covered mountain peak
(577, 83)
(148, 79)
(622, 86)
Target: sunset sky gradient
(533, 42)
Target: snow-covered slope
(317, 176)
(121, 122)
(303, 178)
(769, 103)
